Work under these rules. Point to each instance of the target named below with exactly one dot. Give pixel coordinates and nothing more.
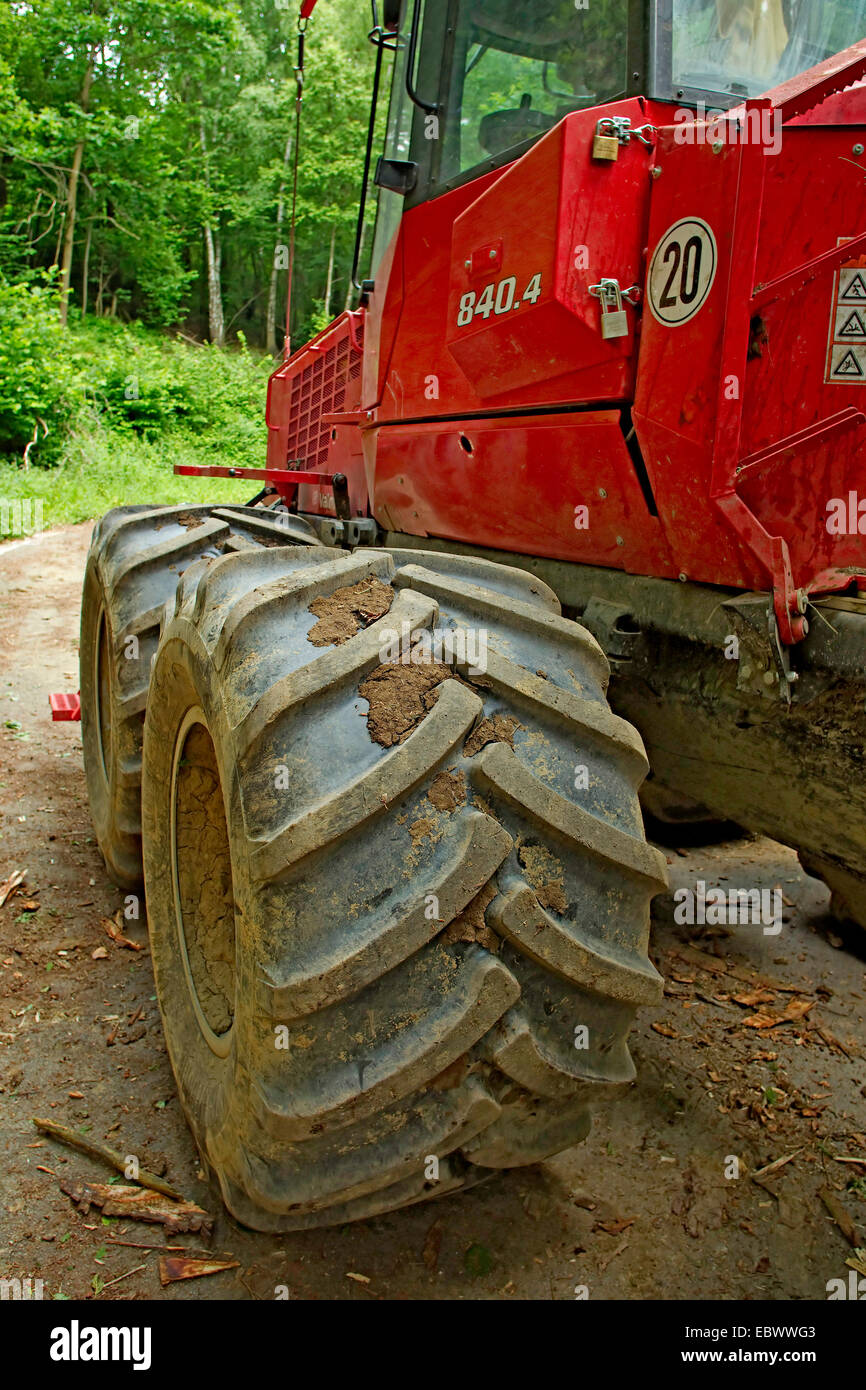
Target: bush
(40, 385)
(161, 388)
(101, 377)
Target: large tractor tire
(399, 910)
(847, 888)
(136, 557)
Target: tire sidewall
(211, 1087)
(109, 800)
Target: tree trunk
(330, 284)
(271, 321)
(216, 322)
(60, 225)
(216, 319)
(104, 282)
(72, 194)
(86, 271)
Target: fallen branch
(115, 931)
(775, 1165)
(171, 1270)
(110, 1156)
(137, 1204)
(714, 965)
(603, 1264)
(124, 1276)
(141, 1245)
(831, 1040)
(14, 881)
(840, 1216)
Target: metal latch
(614, 319)
(613, 131)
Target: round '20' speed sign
(682, 271)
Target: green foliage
(145, 384)
(61, 386)
(107, 469)
(122, 405)
(40, 386)
(181, 111)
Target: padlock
(614, 323)
(605, 146)
(614, 319)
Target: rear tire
(847, 889)
(137, 555)
(672, 819)
(386, 972)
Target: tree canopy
(146, 154)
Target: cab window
(516, 70)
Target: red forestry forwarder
(609, 358)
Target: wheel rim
(102, 690)
(202, 881)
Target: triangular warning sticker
(856, 289)
(853, 327)
(849, 366)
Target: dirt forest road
(755, 1056)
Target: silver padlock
(614, 319)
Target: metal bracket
(764, 664)
(396, 175)
(620, 128)
(782, 658)
(617, 632)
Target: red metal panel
(517, 484)
(844, 108)
(556, 221)
(744, 440)
(384, 307)
(787, 387)
(679, 366)
(806, 91)
(734, 405)
(321, 379)
(555, 213)
(413, 374)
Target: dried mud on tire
(407, 1017)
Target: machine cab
(476, 82)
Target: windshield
(517, 69)
(744, 47)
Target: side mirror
(398, 175)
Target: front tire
(387, 966)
